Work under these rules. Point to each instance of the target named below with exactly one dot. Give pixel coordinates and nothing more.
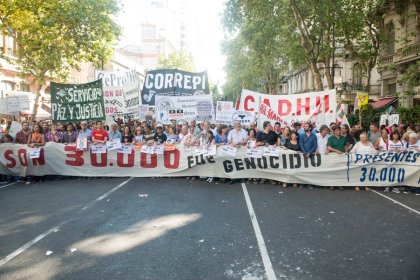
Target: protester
(413, 143)
(182, 133)
(293, 142)
(285, 135)
(252, 139)
(307, 140)
(382, 144)
(395, 143)
(337, 142)
(222, 135)
(127, 137)
(6, 137)
(374, 133)
(364, 146)
(114, 133)
(237, 136)
(70, 136)
(149, 136)
(23, 135)
(85, 131)
(350, 141)
(172, 137)
(36, 138)
(99, 135)
(138, 137)
(53, 135)
(267, 136)
(322, 140)
(159, 136)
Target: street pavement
(173, 228)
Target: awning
(384, 102)
(41, 113)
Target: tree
(177, 60)
(56, 36)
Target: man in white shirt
(237, 136)
(322, 140)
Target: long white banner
(319, 107)
(385, 169)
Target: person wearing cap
(159, 136)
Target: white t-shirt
(396, 146)
(237, 137)
(413, 146)
(360, 148)
(322, 146)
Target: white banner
(121, 93)
(385, 169)
(288, 109)
(392, 119)
(224, 111)
(245, 117)
(197, 107)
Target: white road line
(7, 185)
(397, 202)
(51, 230)
(261, 244)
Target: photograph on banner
(199, 108)
(288, 109)
(121, 92)
(224, 111)
(143, 110)
(390, 119)
(244, 117)
(172, 82)
(77, 102)
(81, 143)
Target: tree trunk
(328, 72)
(315, 71)
(36, 102)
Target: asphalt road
(172, 228)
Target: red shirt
(99, 135)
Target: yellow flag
(362, 99)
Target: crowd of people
(305, 139)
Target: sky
(203, 20)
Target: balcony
(406, 54)
(387, 59)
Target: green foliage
(409, 114)
(56, 36)
(177, 60)
(370, 115)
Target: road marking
(397, 202)
(7, 185)
(261, 244)
(56, 227)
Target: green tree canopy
(56, 36)
(180, 60)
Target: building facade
(399, 61)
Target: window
(390, 38)
(23, 87)
(357, 74)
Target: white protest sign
(114, 144)
(245, 117)
(197, 107)
(224, 110)
(148, 149)
(392, 119)
(229, 150)
(15, 127)
(98, 149)
(254, 152)
(159, 149)
(143, 109)
(126, 149)
(271, 151)
(121, 92)
(81, 143)
(34, 153)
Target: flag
(362, 100)
(237, 103)
(318, 117)
(340, 113)
(345, 121)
